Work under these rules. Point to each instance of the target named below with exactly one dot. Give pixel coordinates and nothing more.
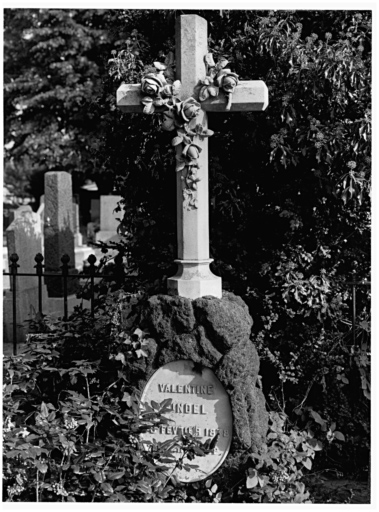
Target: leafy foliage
(72, 418)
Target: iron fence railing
(91, 273)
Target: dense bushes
(72, 420)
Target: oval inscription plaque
(200, 406)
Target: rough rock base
(215, 333)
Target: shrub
(72, 420)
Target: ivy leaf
(251, 482)
(41, 466)
(141, 353)
(99, 477)
(127, 398)
(44, 410)
(215, 439)
(107, 488)
(316, 445)
(252, 479)
(155, 405)
(261, 482)
(338, 435)
(120, 357)
(166, 403)
(317, 418)
(307, 463)
(116, 475)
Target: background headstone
(58, 230)
(95, 210)
(108, 217)
(24, 237)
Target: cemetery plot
(198, 405)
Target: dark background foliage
(289, 187)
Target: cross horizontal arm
(129, 98)
(250, 95)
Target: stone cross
(194, 278)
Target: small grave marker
(108, 217)
(200, 406)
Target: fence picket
(13, 267)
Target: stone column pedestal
(194, 279)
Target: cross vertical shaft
(194, 278)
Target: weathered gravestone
(95, 210)
(108, 217)
(197, 404)
(24, 237)
(198, 322)
(58, 231)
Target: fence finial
(38, 259)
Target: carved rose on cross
(153, 83)
(187, 109)
(218, 78)
(227, 80)
(158, 91)
(179, 116)
(171, 90)
(191, 151)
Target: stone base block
(194, 279)
(214, 333)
